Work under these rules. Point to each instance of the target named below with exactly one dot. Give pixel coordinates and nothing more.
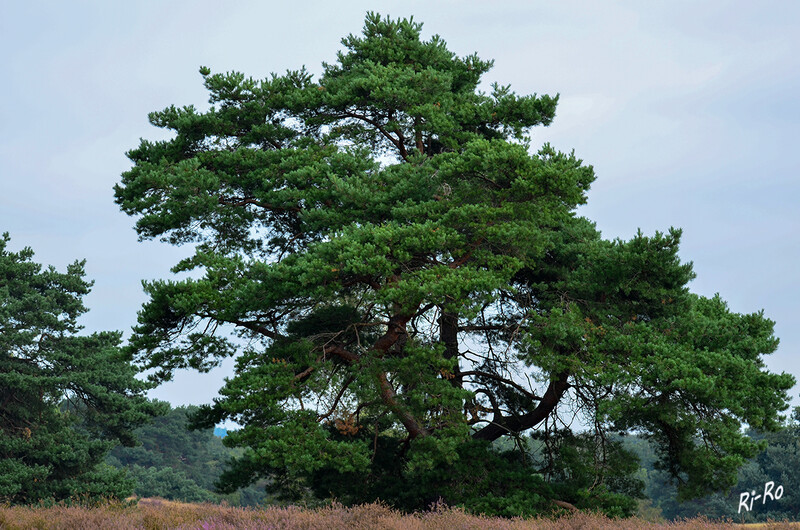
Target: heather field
(158, 514)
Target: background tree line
(778, 462)
(174, 462)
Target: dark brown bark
(507, 424)
(395, 331)
(389, 397)
(340, 352)
(448, 334)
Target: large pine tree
(414, 283)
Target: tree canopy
(65, 399)
(410, 282)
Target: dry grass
(155, 514)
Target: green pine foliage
(65, 399)
(412, 282)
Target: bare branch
(338, 397)
(243, 201)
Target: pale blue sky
(688, 112)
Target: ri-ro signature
(751, 496)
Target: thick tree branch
(340, 352)
(254, 326)
(448, 334)
(395, 330)
(514, 424)
(305, 373)
(415, 429)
